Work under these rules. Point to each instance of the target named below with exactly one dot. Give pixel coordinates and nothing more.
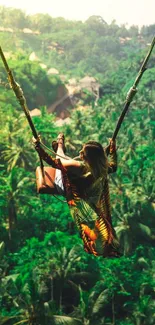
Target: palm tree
(11, 190)
(63, 268)
(18, 152)
(29, 304)
(90, 310)
(124, 233)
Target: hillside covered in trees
(45, 275)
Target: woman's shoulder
(75, 167)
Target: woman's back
(88, 188)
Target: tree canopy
(45, 275)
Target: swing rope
(133, 90)
(20, 97)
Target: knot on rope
(17, 89)
(131, 93)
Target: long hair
(96, 158)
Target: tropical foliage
(45, 275)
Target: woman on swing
(84, 183)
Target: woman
(84, 183)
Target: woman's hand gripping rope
(112, 145)
(36, 141)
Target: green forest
(46, 278)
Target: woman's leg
(60, 155)
(60, 150)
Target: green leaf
(65, 320)
(2, 245)
(145, 230)
(5, 319)
(101, 301)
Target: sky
(129, 12)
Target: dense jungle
(46, 278)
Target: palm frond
(5, 319)
(101, 301)
(65, 320)
(145, 230)
(2, 245)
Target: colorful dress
(89, 205)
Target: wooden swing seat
(45, 180)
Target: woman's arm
(112, 165)
(44, 155)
